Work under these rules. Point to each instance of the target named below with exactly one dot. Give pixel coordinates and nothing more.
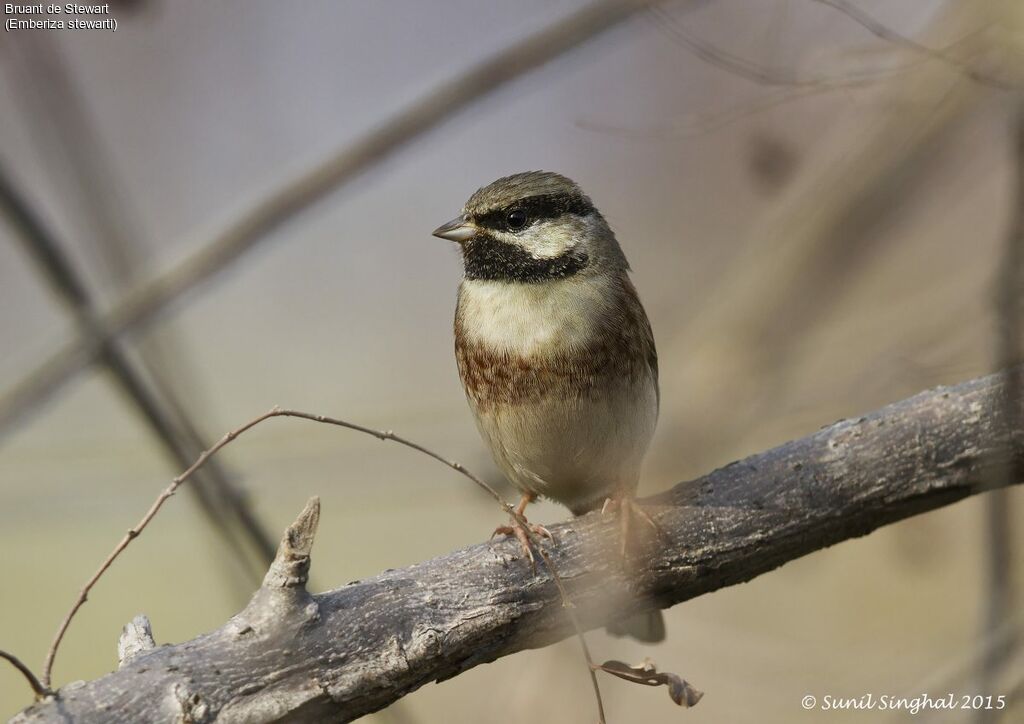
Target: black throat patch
(491, 259)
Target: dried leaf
(647, 674)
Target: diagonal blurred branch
(46, 253)
(72, 154)
(141, 307)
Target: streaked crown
(532, 185)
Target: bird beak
(457, 229)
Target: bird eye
(516, 219)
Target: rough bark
(293, 656)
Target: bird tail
(647, 627)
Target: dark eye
(516, 219)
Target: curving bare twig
(755, 72)
(37, 687)
(750, 70)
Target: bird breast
(565, 339)
(562, 380)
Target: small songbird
(555, 351)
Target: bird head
(532, 227)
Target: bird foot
(628, 510)
(521, 528)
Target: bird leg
(624, 503)
(521, 528)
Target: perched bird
(555, 351)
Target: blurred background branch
(73, 159)
(217, 496)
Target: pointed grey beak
(457, 229)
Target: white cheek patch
(548, 239)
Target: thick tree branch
(339, 655)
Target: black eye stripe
(537, 208)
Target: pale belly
(575, 451)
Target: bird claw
(628, 509)
(521, 530)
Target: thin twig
(133, 533)
(748, 69)
(752, 71)
(37, 688)
(880, 30)
(570, 610)
(696, 124)
(389, 435)
(380, 435)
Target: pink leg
(520, 531)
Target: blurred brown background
(815, 214)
